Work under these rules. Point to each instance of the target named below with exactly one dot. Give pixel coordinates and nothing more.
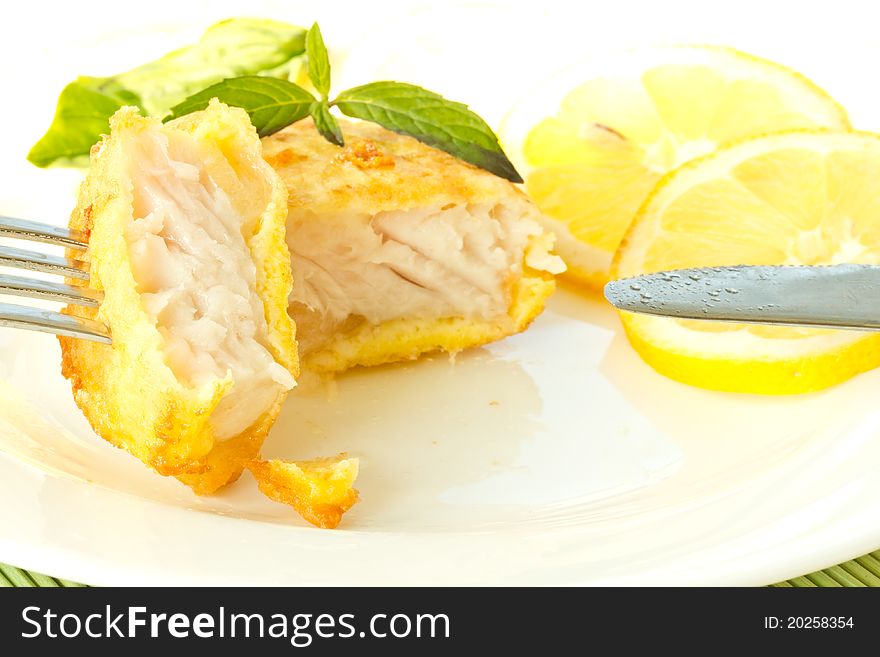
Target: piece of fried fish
(186, 240)
(398, 248)
(321, 490)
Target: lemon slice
(616, 133)
(798, 198)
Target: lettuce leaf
(230, 48)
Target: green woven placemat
(12, 576)
(864, 571)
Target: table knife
(843, 296)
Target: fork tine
(36, 319)
(45, 262)
(30, 287)
(32, 230)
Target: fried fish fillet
(186, 227)
(399, 249)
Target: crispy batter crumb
(320, 490)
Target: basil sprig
(404, 108)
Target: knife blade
(843, 296)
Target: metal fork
(36, 319)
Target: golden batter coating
(377, 170)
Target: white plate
(554, 457)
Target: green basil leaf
(271, 103)
(81, 117)
(319, 61)
(238, 46)
(430, 118)
(326, 123)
